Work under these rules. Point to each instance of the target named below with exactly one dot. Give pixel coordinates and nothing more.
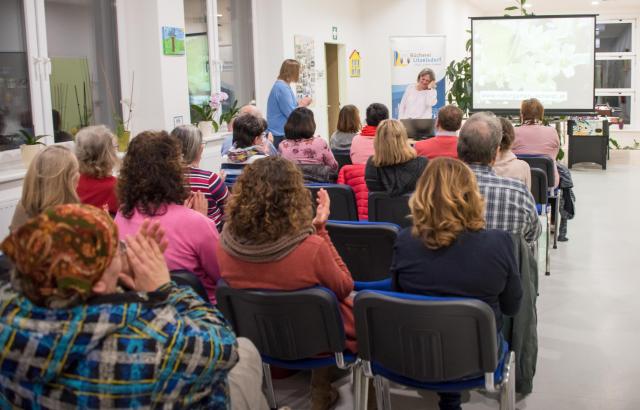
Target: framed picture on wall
(172, 41)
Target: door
(333, 85)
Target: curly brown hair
(268, 201)
(152, 174)
(446, 203)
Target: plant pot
(28, 152)
(123, 140)
(206, 127)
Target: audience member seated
(394, 168)
(198, 179)
(51, 180)
(509, 204)
(96, 153)
(362, 143)
(348, 126)
(272, 241)
(152, 186)
(353, 175)
(448, 251)
(532, 137)
(445, 143)
(78, 341)
(507, 164)
(248, 145)
(267, 140)
(310, 152)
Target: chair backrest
(429, 339)
(285, 325)
(343, 201)
(365, 247)
(342, 156)
(187, 278)
(542, 162)
(384, 208)
(539, 186)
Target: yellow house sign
(354, 64)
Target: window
(220, 59)
(59, 75)
(615, 67)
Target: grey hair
(190, 138)
(95, 151)
(479, 139)
(427, 71)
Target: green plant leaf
(510, 8)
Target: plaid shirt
(164, 349)
(509, 204)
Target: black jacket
(395, 180)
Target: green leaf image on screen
(172, 41)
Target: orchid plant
(206, 111)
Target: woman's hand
(198, 202)
(304, 101)
(432, 85)
(147, 264)
(322, 211)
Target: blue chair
(539, 190)
(385, 208)
(299, 329)
(367, 250)
(343, 200)
(186, 278)
(440, 344)
(547, 165)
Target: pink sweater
(537, 139)
(361, 148)
(192, 242)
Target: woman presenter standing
(282, 101)
(419, 98)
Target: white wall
(364, 25)
(160, 88)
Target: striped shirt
(509, 204)
(215, 190)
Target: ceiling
(606, 7)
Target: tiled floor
(588, 309)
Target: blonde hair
(289, 71)
(96, 151)
(391, 145)
(446, 203)
(531, 109)
(51, 180)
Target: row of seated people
(269, 229)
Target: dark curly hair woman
(271, 240)
(151, 186)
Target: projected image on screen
(548, 58)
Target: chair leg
(547, 270)
(271, 394)
(508, 391)
(556, 218)
(383, 395)
(361, 388)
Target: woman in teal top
(282, 101)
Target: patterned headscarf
(60, 254)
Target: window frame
(617, 56)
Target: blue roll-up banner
(410, 55)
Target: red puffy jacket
(353, 175)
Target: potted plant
(31, 146)
(228, 115)
(123, 131)
(203, 114)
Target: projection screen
(550, 58)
